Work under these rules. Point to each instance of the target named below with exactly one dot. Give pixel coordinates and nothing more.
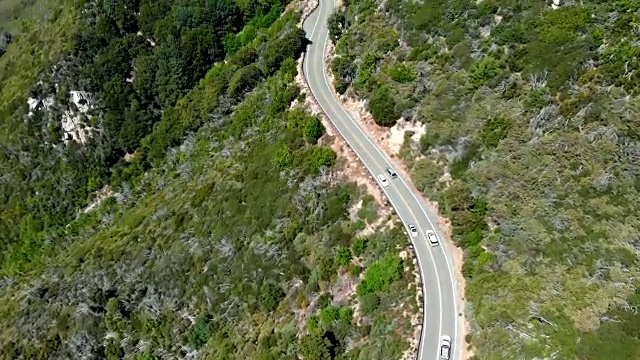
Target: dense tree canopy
(135, 59)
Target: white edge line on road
(455, 335)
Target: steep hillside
(84, 83)
(220, 231)
(531, 148)
(236, 247)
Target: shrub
(289, 68)
(282, 157)
(344, 71)
(321, 156)
(202, 194)
(359, 245)
(312, 323)
(245, 56)
(494, 130)
(336, 23)
(336, 205)
(509, 34)
(345, 314)
(201, 331)
(270, 296)
(316, 347)
(328, 315)
(402, 73)
(562, 26)
(428, 141)
(387, 40)
(381, 274)
(354, 270)
(343, 256)
(369, 303)
(291, 45)
(484, 70)
(244, 80)
(295, 118)
(383, 107)
(324, 300)
(313, 129)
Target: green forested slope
(219, 252)
(227, 235)
(533, 112)
(134, 59)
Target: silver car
(432, 237)
(412, 230)
(445, 347)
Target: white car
(431, 236)
(445, 347)
(412, 230)
(383, 180)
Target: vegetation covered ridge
(225, 233)
(113, 75)
(531, 148)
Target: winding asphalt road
(439, 287)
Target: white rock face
(82, 99)
(74, 129)
(72, 125)
(36, 104)
(397, 133)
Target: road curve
(439, 287)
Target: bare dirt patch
(458, 259)
(129, 157)
(344, 289)
(101, 195)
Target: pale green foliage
(484, 71)
(532, 151)
(427, 174)
(402, 73)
